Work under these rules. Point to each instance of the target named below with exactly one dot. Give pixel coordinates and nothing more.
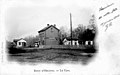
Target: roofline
(48, 28)
(18, 39)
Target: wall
(21, 43)
(52, 36)
(42, 38)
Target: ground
(51, 55)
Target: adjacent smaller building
(67, 41)
(89, 43)
(20, 42)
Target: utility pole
(71, 27)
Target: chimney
(47, 24)
(54, 25)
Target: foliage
(31, 40)
(78, 32)
(88, 34)
(63, 34)
(9, 44)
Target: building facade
(20, 42)
(67, 41)
(49, 35)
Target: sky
(26, 17)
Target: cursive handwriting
(102, 8)
(113, 10)
(108, 23)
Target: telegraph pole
(71, 27)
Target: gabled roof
(16, 40)
(69, 39)
(22, 40)
(44, 29)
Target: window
(69, 43)
(75, 43)
(24, 44)
(51, 29)
(42, 34)
(19, 43)
(89, 43)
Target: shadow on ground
(51, 55)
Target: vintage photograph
(51, 34)
(59, 37)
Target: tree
(31, 40)
(90, 31)
(89, 35)
(78, 33)
(63, 34)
